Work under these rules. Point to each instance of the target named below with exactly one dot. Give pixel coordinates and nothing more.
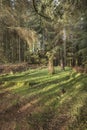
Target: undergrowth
(52, 102)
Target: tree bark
(51, 66)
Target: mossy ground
(33, 100)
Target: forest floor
(35, 100)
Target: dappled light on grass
(37, 97)
(13, 86)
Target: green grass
(49, 107)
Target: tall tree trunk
(62, 61)
(1, 4)
(19, 50)
(65, 53)
(50, 65)
(64, 45)
(12, 50)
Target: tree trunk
(19, 51)
(51, 66)
(62, 65)
(1, 4)
(64, 45)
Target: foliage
(41, 24)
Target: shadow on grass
(80, 122)
(40, 88)
(19, 76)
(56, 116)
(32, 74)
(53, 103)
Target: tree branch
(42, 15)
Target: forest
(43, 64)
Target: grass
(35, 101)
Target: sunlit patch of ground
(35, 100)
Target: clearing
(35, 100)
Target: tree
(47, 21)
